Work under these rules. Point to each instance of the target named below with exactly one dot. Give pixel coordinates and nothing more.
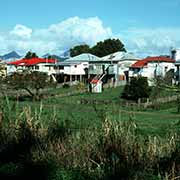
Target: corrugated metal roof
(67, 63)
(144, 62)
(119, 56)
(85, 57)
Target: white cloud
(146, 41)
(21, 31)
(57, 37)
(61, 36)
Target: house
(3, 69)
(115, 66)
(175, 54)
(151, 67)
(33, 64)
(87, 67)
(75, 68)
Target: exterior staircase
(99, 77)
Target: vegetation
(138, 88)
(32, 82)
(107, 47)
(101, 49)
(30, 55)
(116, 150)
(77, 50)
(60, 138)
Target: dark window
(37, 67)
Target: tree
(2, 79)
(77, 50)
(101, 49)
(30, 55)
(138, 88)
(32, 82)
(107, 47)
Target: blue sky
(145, 27)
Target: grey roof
(85, 57)
(120, 56)
(66, 63)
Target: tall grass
(116, 150)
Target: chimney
(173, 53)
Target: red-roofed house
(151, 67)
(33, 64)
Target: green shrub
(138, 88)
(66, 86)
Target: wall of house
(3, 70)
(12, 68)
(77, 69)
(95, 69)
(152, 69)
(124, 66)
(45, 67)
(42, 67)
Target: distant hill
(12, 55)
(58, 58)
(65, 54)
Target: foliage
(77, 50)
(114, 151)
(32, 82)
(101, 49)
(30, 55)
(66, 86)
(114, 148)
(138, 88)
(81, 86)
(165, 84)
(107, 47)
(2, 85)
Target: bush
(138, 88)
(80, 86)
(66, 86)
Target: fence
(156, 101)
(144, 103)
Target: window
(166, 68)
(75, 66)
(36, 67)
(61, 67)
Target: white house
(151, 67)
(87, 67)
(33, 64)
(175, 54)
(115, 65)
(75, 68)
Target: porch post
(70, 78)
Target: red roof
(144, 62)
(32, 61)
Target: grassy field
(58, 138)
(56, 108)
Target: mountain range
(53, 56)
(12, 55)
